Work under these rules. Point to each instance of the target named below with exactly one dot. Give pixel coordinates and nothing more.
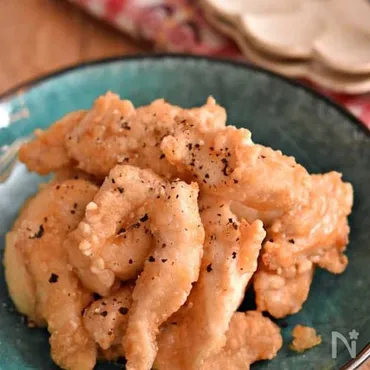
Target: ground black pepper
(39, 233)
(53, 278)
(123, 310)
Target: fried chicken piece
(121, 134)
(169, 272)
(250, 338)
(304, 338)
(281, 295)
(106, 320)
(227, 164)
(118, 132)
(59, 298)
(115, 208)
(20, 284)
(47, 152)
(318, 232)
(199, 329)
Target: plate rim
(27, 85)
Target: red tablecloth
(178, 26)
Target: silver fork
(8, 157)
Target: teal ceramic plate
(279, 113)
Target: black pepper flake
(173, 323)
(190, 146)
(125, 126)
(263, 156)
(151, 259)
(206, 176)
(136, 226)
(104, 313)
(226, 165)
(39, 233)
(53, 278)
(164, 245)
(211, 148)
(120, 189)
(209, 267)
(57, 187)
(123, 310)
(271, 240)
(235, 181)
(164, 260)
(45, 219)
(162, 156)
(103, 303)
(122, 230)
(197, 146)
(234, 255)
(291, 241)
(73, 211)
(113, 181)
(144, 218)
(130, 261)
(75, 205)
(177, 196)
(231, 220)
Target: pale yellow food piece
(118, 204)
(304, 338)
(199, 329)
(315, 232)
(281, 295)
(227, 164)
(250, 338)
(59, 298)
(124, 135)
(106, 320)
(118, 132)
(169, 272)
(20, 284)
(47, 152)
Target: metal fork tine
(9, 158)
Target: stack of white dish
(326, 41)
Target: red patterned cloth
(178, 26)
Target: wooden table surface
(40, 36)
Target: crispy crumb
(304, 338)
